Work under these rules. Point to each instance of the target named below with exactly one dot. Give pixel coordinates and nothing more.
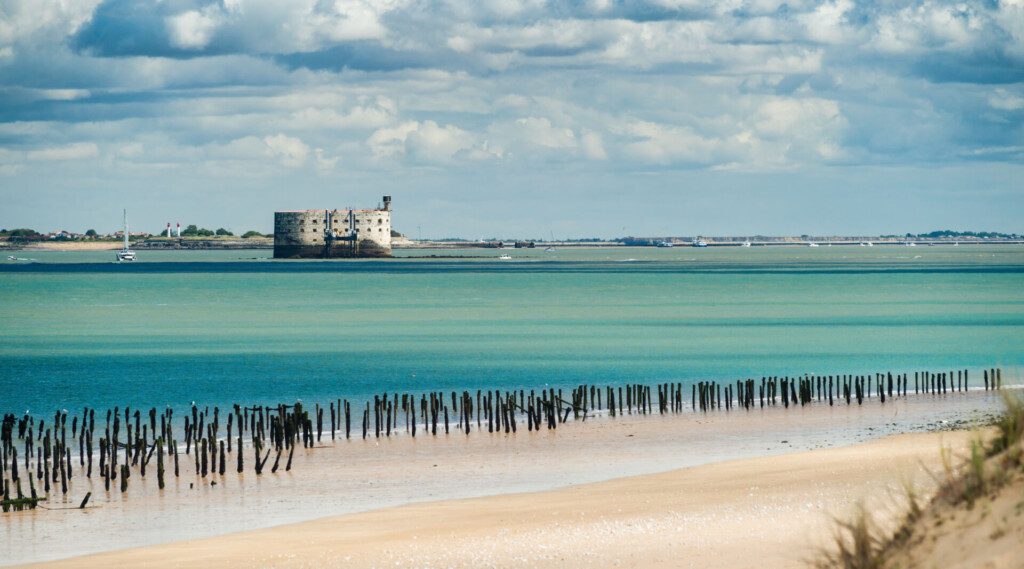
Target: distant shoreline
(237, 244)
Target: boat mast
(124, 224)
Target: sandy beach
(739, 454)
(766, 512)
(71, 246)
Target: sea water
(222, 327)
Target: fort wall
(333, 233)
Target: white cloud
(323, 162)
(426, 142)
(528, 134)
(290, 151)
(76, 151)
(828, 23)
(351, 20)
(932, 26)
(1004, 100)
(45, 20)
(740, 85)
(653, 143)
(390, 141)
(801, 130)
(193, 29)
(373, 114)
(430, 142)
(593, 146)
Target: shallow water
(218, 327)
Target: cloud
(364, 115)
(76, 151)
(1005, 101)
(533, 137)
(290, 151)
(660, 144)
(259, 87)
(426, 142)
(192, 29)
(593, 146)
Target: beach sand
(73, 246)
(345, 477)
(762, 512)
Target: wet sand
(354, 476)
(766, 512)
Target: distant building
(333, 233)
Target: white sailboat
(125, 254)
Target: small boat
(746, 244)
(125, 255)
(812, 244)
(664, 244)
(700, 243)
(505, 257)
(549, 250)
(13, 258)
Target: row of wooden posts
(130, 439)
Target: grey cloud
(640, 85)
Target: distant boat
(700, 243)
(549, 250)
(13, 258)
(812, 244)
(505, 257)
(664, 244)
(125, 254)
(746, 244)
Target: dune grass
(860, 543)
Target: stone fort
(333, 233)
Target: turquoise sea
(220, 327)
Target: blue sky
(516, 117)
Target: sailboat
(125, 254)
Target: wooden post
(160, 463)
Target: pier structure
(333, 233)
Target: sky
(516, 118)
